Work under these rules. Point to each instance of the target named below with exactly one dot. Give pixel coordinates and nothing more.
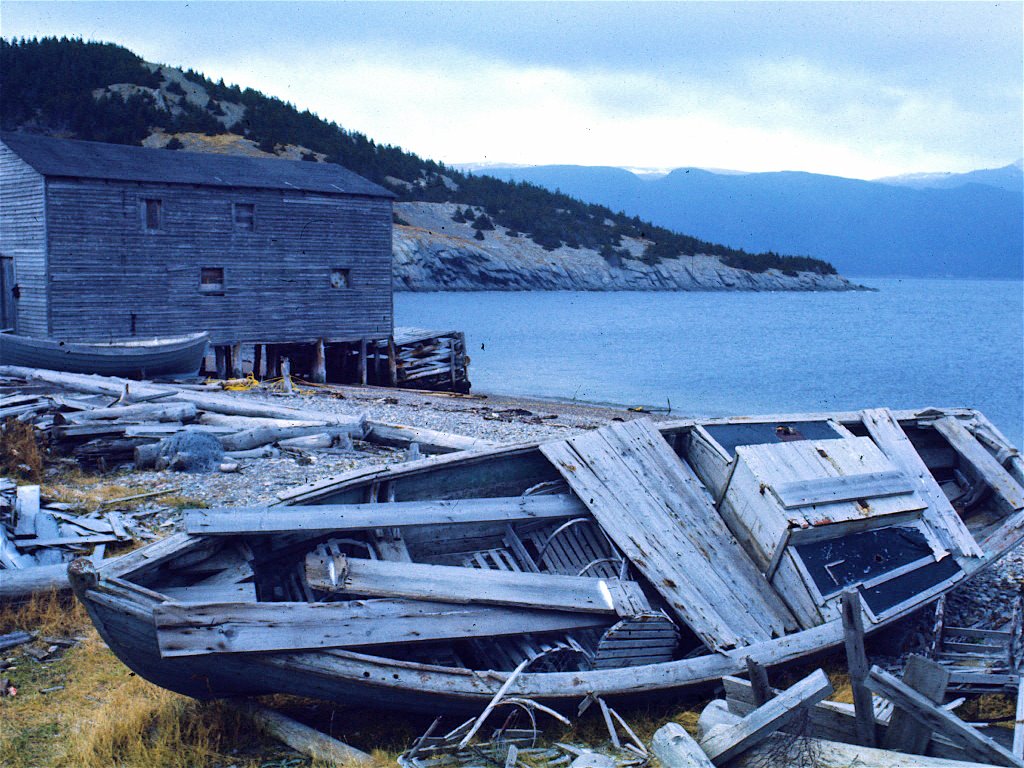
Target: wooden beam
(829, 490)
(309, 741)
(392, 363)
(722, 745)
(885, 430)
(229, 521)
(1006, 490)
(762, 689)
(236, 361)
(930, 680)
(675, 748)
(857, 662)
(456, 584)
(319, 363)
(430, 441)
(1018, 722)
(362, 362)
(976, 745)
(189, 629)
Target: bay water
(910, 343)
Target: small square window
(151, 213)
(245, 217)
(211, 280)
(341, 278)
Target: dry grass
(107, 716)
(21, 451)
(88, 492)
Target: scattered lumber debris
(980, 660)
(39, 538)
(105, 422)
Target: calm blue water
(913, 343)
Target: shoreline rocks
(434, 253)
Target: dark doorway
(8, 295)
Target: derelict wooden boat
(140, 358)
(631, 561)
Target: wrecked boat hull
(125, 594)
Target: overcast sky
(858, 89)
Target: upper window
(245, 217)
(341, 278)
(151, 213)
(211, 280)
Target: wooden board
(189, 629)
(885, 430)
(231, 521)
(982, 463)
(454, 584)
(656, 511)
(826, 490)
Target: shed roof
(95, 160)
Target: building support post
(362, 362)
(236, 361)
(220, 361)
(319, 363)
(392, 362)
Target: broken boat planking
(775, 517)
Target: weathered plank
(827, 490)
(187, 629)
(930, 680)
(300, 737)
(982, 463)
(885, 430)
(1018, 722)
(229, 521)
(857, 663)
(722, 745)
(455, 584)
(654, 509)
(920, 708)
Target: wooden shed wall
(23, 237)
(111, 278)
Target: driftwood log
(300, 737)
(16, 584)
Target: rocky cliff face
(434, 253)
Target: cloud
(454, 106)
(860, 88)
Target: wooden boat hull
(180, 356)
(123, 609)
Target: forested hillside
(103, 92)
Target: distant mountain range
(934, 225)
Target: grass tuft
(21, 451)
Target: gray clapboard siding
(885, 430)
(229, 521)
(276, 279)
(23, 238)
(187, 629)
(653, 506)
(454, 584)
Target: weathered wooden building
(106, 242)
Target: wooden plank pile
(893, 722)
(105, 422)
(425, 359)
(980, 660)
(39, 538)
